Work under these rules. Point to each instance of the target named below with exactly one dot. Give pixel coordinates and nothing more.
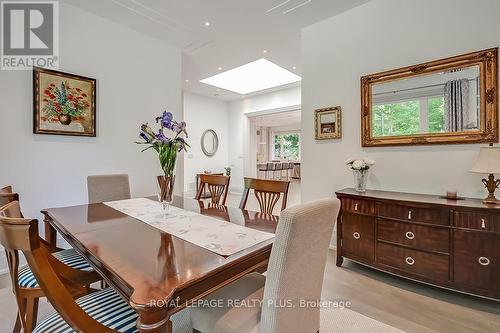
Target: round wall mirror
(209, 142)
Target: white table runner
(221, 237)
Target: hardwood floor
(410, 306)
(407, 305)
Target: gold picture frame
(63, 103)
(328, 123)
(486, 60)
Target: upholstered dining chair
(295, 273)
(25, 286)
(218, 187)
(267, 192)
(103, 188)
(101, 311)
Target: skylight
(255, 76)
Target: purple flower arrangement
(167, 142)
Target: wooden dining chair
(102, 188)
(26, 287)
(102, 311)
(218, 187)
(267, 192)
(7, 195)
(271, 303)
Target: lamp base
(491, 184)
(491, 201)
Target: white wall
(202, 113)
(137, 77)
(377, 36)
(239, 129)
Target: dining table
(156, 272)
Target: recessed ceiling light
(294, 67)
(255, 76)
(207, 24)
(187, 81)
(264, 51)
(220, 68)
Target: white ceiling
(239, 30)
(277, 119)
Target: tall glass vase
(166, 182)
(360, 178)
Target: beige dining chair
(103, 188)
(103, 311)
(295, 272)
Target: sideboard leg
(340, 260)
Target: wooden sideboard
(454, 244)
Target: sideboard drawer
(417, 236)
(358, 236)
(476, 260)
(428, 265)
(358, 206)
(413, 214)
(472, 220)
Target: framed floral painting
(63, 103)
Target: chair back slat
(296, 266)
(267, 192)
(218, 187)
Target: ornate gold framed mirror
(448, 101)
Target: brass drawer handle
(356, 235)
(483, 224)
(410, 261)
(484, 261)
(356, 206)
(410, 235)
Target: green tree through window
(396, 118)
(436, 114)
(405, 118)
(287, 146)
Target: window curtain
(456, 105)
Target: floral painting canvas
(64, 103)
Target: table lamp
(488, 162)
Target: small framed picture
(63, 103)
(328, 123)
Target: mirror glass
(439, 102)
(209, 142)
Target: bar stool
(267, 168)
(291, 165)
(277, 167)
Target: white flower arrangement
(360, 164)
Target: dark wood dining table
(157, 273)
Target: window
(422, 115)
(286, 146)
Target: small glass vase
(166, 181)
(165, 186)
(360, 178)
